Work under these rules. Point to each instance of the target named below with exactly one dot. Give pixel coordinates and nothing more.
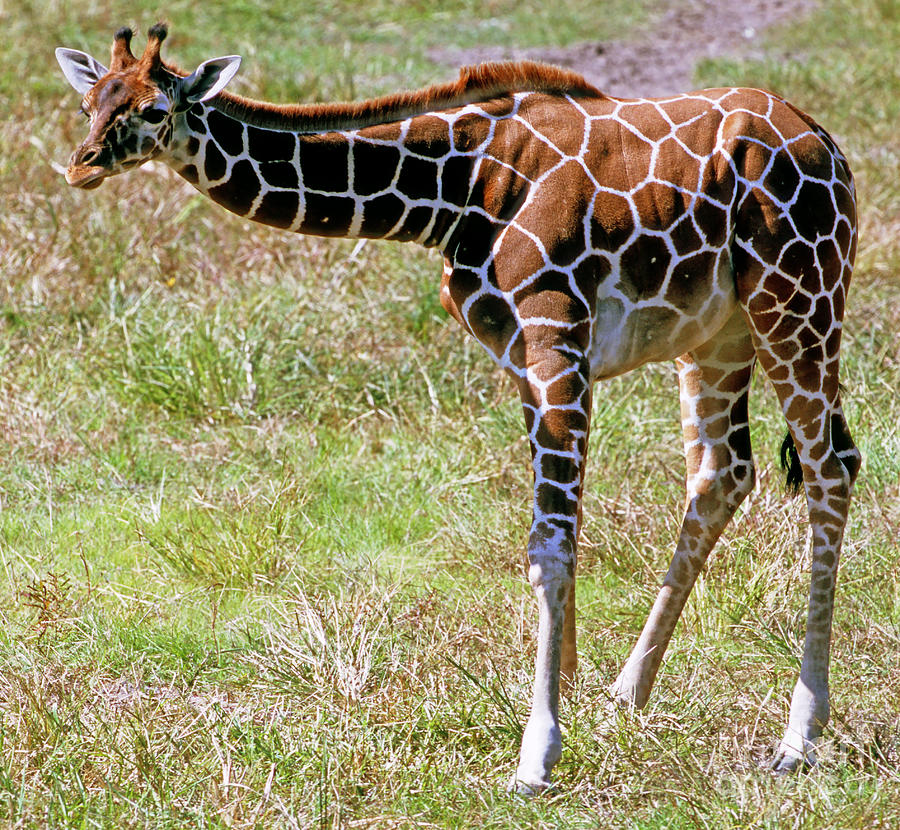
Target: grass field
(263, 507)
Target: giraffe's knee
(721, 470)
(724, 491)
(551, 556)
(743, 480)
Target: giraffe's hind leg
(714, 380)
(807, 389)
(792, 250)
(799, 352)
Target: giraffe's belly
(630, 332)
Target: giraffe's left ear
(208, 80)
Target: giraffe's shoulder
(523, 76)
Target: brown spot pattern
(583, 235)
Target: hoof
(527, 788)
(626, 695)
(541, 750)
(787, 762)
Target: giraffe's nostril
(87, 156)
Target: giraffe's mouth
(86, 177)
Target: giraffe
(583, 235)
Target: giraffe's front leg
(556, 399)
(551, 574)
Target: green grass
(263, 507)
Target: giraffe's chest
(632, 325)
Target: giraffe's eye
(82, 111)
(151, 115)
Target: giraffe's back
(636, 205)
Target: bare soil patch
(660, 60)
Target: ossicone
(159, 31)
(155, 36)
(121, 49)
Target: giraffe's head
(133, 105)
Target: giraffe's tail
(790, 463)
(843, 445)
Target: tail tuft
(790, 463)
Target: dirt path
(658, 61)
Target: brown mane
(475, 84)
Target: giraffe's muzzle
(81, 172)
(85, 176)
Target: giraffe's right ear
(80, 69)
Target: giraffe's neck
(404, 180)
